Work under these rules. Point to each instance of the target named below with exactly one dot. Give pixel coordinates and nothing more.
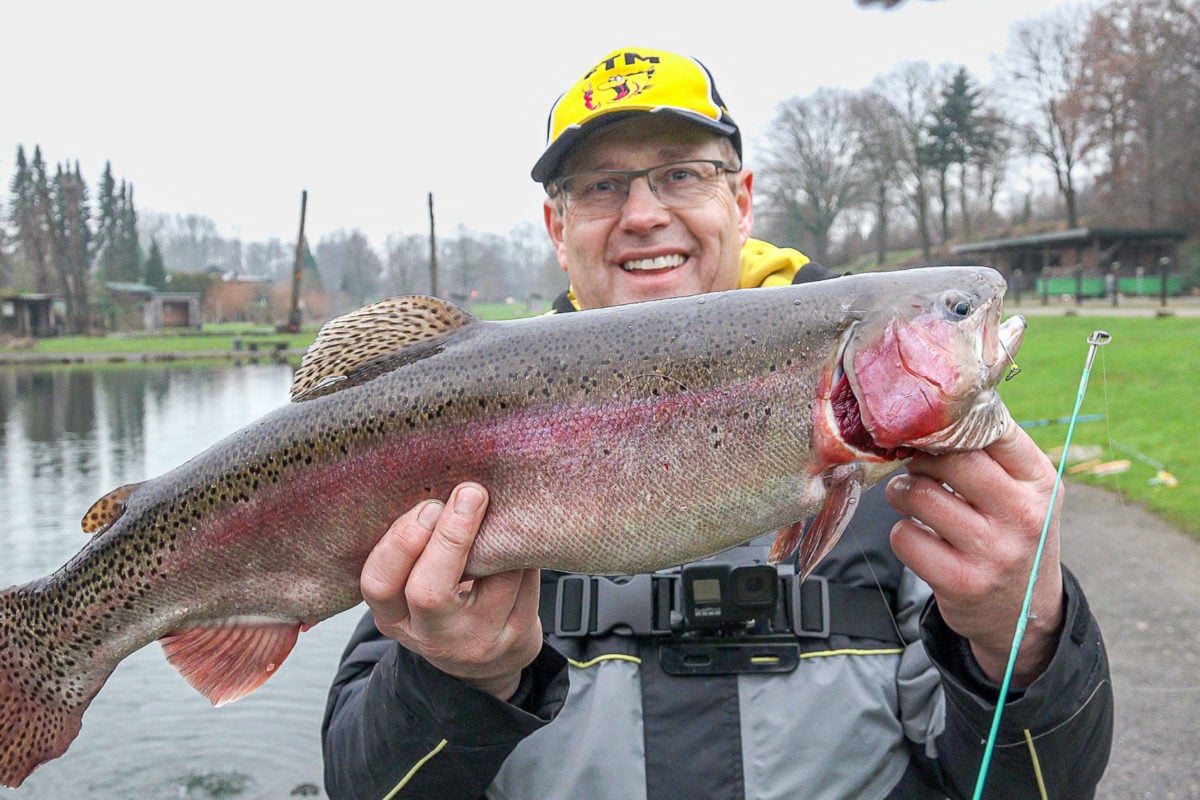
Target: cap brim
(546, 168)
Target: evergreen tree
(71, 248)
(126, 264)
(6, 270)
(156, 271)
(30, 215)
(107, 225)
(19, 192)
(43, 211)
(955, 136)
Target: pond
(68, 436)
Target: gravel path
(1142, 578)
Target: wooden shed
(154, 308)
(1084, 262)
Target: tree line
(55, 243)
(1102, 105)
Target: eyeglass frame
(555, 190)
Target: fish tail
(37, 720)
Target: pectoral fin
(226, 662)
(843, 486)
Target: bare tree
(812, 168)
(910, 93)
(352, 266)
(991, 159)
(883, 140)
(1143, 89)
(407, 269)
(1046, 67)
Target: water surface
(68, 436)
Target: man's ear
(554, 227)
(744, 198)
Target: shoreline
(1029, 305)
(32, 358)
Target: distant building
(30, 315)
(138, 305)
(238, 298)
(1084, 262)
(246, 298)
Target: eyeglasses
(680, 184)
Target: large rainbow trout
(620, 440)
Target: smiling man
(540, 685)
(681, 222)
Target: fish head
(923, 369)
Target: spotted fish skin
(618, 440)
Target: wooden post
(293, 323)
(433, 269)
(1164, 271)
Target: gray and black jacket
(859, 717)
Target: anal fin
(227, 661)
(843, 486)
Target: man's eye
(603, 186)
(680, 175)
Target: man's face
(646, 251)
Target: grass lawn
(1144, 386)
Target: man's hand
(484, 631)
(975, 544)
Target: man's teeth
(662, 262)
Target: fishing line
(879, 586)
(1094, 341)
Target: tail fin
(37, 722)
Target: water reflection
(68, 436)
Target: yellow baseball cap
(632, 81)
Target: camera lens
(754, 586)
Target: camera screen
(706, 590)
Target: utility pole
(293, 323)
(433, 269)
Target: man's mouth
(654, 264)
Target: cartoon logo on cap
(628, 83)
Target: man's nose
(642, 206)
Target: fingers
(975, 522)
(387, 568)
(438, 572)
(420, 560)
(484, 631)
(1018, 455)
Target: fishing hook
(1014, 370)
(1096, 340)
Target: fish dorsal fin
(107, 509)
(367, 334)
(228, 660)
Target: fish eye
(958, 304)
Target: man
(462, 690)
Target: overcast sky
(229, 109)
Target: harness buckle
(809, 622)
(587, 605)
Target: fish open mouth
(848, 415)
